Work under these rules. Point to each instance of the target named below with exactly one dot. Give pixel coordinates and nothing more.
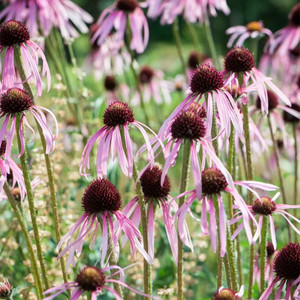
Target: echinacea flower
(14, 34)
(117, 117)
(111, 57)
(46, 14)
(265, 206)
(240, 63)
(15, 103)
(5, 289)
(208, 83)
(289, 37)
(101, 202)
(192, 10)
(241, 33)
(228, 294)
(216, 181)
(157, 197)
(153, 86)
(114, 90)
(93, 280)
(195, 59)
(287, 270)
(116, 16)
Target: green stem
(227, 270)
(282, 188)
(263, 252)
(295, 172)
(135, 74)
(183, 185)
(249, 173)
(23, 160)
(176, 34)
(139, 193)
(220, 259)
(194, 35)
(21, 71)
(211, 43)
(113, 262)
(230, 244)
(33, 260)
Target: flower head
(228, 294)
(15, 34)
(155, 195)
(101, 202)
(93, 280)
(251, 30)
(266, 206)
(287, 38)
(62, 14)
(5, 289)
(287, 269)
(116, 16)
(118, 118)
(240, 61)
(15, 103)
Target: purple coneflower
(14, 34)
(111, 57)
(252, 30)
(240, 61)
(157, 196)
(116, 16)
(152, 86)
(93, 280)
(117, 117)
(228, 294)
(214, 182)
(207, 81)
(16, 102)
(5, 289)
(114, 89)
(265, 206)
(289, 37)
(101, 202)
(46, 14)
(195, 59)
(192, 10)
(287, 269)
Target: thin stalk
(227, 270)
(194, 35)
(135, 74)
(25, 170)
(211, 43)
(113, 262)
(250, 195)
(295, 172)
(183, 185)
(176, 34)
(230, 244)
(275, 149)
(21, 71)
(263, 252)
(220, 259)
(33, 260)
(139, 193)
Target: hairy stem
(263, 252)
(33, 260)
(249, 173)
(25, 170)
(183, 185)
(176, 34)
